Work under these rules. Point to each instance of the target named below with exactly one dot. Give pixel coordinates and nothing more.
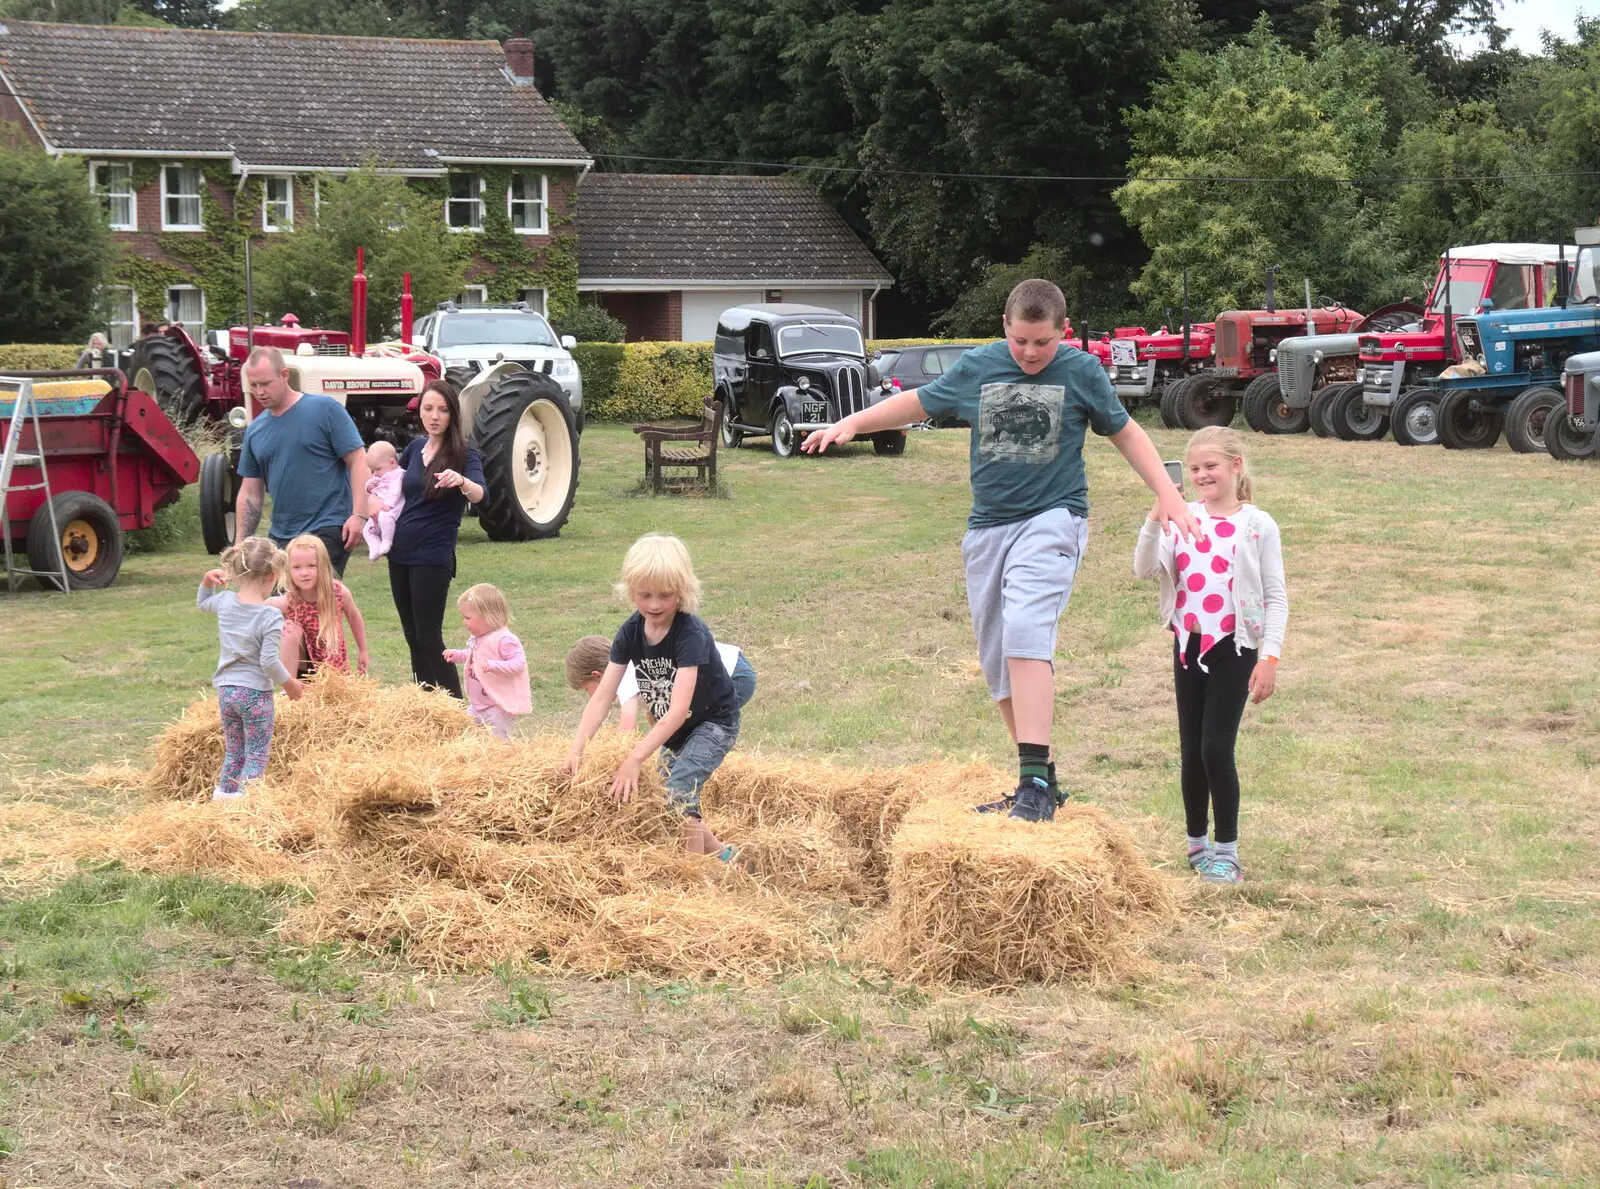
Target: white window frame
(171, 310)
(132, 195)
(133, 311)
(543, 200)
(198, 196)
(477, 203)
(287, 203)
(483, 296)
(544, 300)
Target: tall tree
(55, 251)
(307, 271)
(358, 18)
(78, 12)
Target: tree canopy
(55, 251)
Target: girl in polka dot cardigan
(1224, 600)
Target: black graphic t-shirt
(687, 642)
(1027, 431)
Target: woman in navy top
(442, 476)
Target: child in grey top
(250, 636)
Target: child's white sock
(1231, 849)
(1197, 847)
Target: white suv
(478, 337)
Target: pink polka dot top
(1205, 584)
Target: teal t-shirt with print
(1027, 431)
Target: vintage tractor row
(519, 420)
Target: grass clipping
(418, 833)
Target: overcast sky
(1526, 17)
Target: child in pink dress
(495, 666)
(384, 500)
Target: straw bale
(336, 710)
(229, 840)
(813, 858)
(979, 899)
(700, 934)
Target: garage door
(701, 308)
(846, 301)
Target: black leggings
(1210, 706)
(420, 594)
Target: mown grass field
(1404, 993)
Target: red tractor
(1243, 360)
(1395, 367)
(1142, 364)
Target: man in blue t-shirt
(1029, 401)
(303, 450)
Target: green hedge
(633, 382)
(37, 357)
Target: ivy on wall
(553, 268)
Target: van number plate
(814, 410)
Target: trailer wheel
(1317, 414)
(1415, 418)
(219, 491)
(167, 372)
(1267, 411)
(90, 541)
(525, 433)
(1205, 401)
(1353, 419)
(1528, 418)
(1170, 395)
(1565, 441)
(1461, 427)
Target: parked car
(472, 340)
(785, 370)
(911, 367)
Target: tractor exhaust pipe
(1186, 315)
(1272, 306)
(358, 305)
(406, 309)
(1563, 286)
(1083, 314)
(1449, 338)
(249, 302)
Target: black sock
(1034, 760)
(1050, 774)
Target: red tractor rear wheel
(164, 369)
(1204, 401)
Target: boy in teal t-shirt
(1029, 400)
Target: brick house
(181, 129)
(667, 253)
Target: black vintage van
(785, 370)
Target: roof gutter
(582, 163)
(650, 284)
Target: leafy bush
(588, 323)
(37, 357)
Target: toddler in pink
(493, 662)
(384, 500)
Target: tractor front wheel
(1461, 427)
(1415, 418)
(526, 436)
(1170, 395)
(1267, 411)
(1528, 417)
(1565, 441)
(1205, 401)
(219, 491)
(1321, 400)
(161, 367)
(1353, 419)
(89, 541)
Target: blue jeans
(683, 772)
(744, 680)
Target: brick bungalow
(667, 253)
(198, 124)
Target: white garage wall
(846, 301)
(702, 307)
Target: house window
(180, 198)
(113, 182)
(473, 296)
(187, 304)
(525, 203)
(122, 316)
(277, 204)
(463, 211)
(534, 297)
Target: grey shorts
(1019, 578)
(685, 770)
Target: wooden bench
(668, 446)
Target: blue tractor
(1512, 362)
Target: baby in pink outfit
(384, 500)
(497, 683)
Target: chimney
(519, 60)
